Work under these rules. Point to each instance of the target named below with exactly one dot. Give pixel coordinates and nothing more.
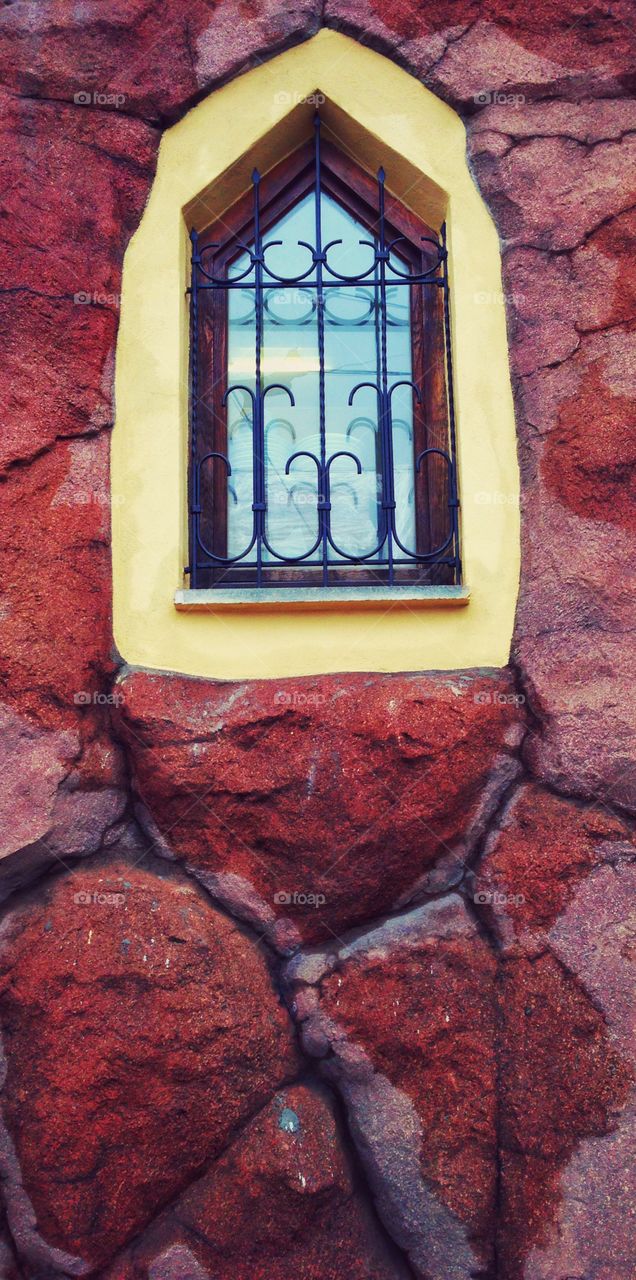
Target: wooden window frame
(356, 191)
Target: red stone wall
(334, 983)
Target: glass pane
(290, 356)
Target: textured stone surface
(558, 885)
(559, 179)
(565, 1110)
(468, 49)
(329, 798)
(553, 189)
(406, 1015)
(56, 643)
(281, 1202)
(68, 395)
(8, 1263)
(534, 863)
(73, 188)
(75, 183)
(140, 1029)
(573, 640)
(50, 808)
(141, 57)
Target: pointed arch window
(322, 435)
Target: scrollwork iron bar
(384, 557)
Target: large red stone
(403, 1020)
(311, 805)
(467, 49)
(585, 412)
(61, 798)
(74, 187)
(565, 1087)
(576, 611)
(67, 394)
(282, 1202)
(551, 191)
(557, 883)
(56, 643)
(144, 57)
(535, 860)
(140, 1028)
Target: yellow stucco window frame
(381, 115)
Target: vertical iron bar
(454, 498)
(388, 492)
(379, 443)
(195, 506)
(324, 512)
(258, 504)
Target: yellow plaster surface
(380, 114)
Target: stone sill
(252, 599)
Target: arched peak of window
(350, 158)
(343, 182)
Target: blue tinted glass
(290, 355)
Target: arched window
(322, 449)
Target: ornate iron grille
(325, 562)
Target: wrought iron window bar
(389, 556)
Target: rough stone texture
(560, 180)
(143, 58)
(140, 1028)
(157, 1096)
(565, 1108)
(72, 396)
(533, 864)
(50, 811)
(8, 1264)
(56, 642)
(281, 1202)
(558, 886)
(345, 790)
(73, 187)
(406, 1015)
(466, 50)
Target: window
(322, 449)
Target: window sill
(308, 599)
